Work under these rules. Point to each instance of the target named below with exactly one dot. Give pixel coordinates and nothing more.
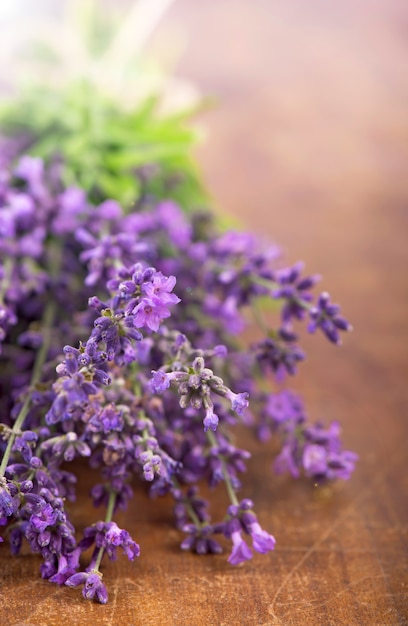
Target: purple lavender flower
(195, 384)
(316, 451)
(321, 464)
(240, 550)
(151, 464)
(150, 313)
(73, 205)
(341, 465)
(235, 243)
(239, 401)
(7, 319)
(211, 419)
(325, 315)
(227, 311)
(279, 353)
(93, 587)
(66, 567)
(16, 538)
(240, 519)
(200, 540)
(110, 418)
(262, 541)
(46, 516)
(185, 503)
(24, 444)
(143, 351)
(294, 291)
(147, 294)
(109, 536)
(81, 374)
(327, 437)
(314, 460)
(284, 407)
(115, 537)
(323, 457)
(161, 287)
(7, 505)
(160, 381)
(30, 169)
(175, 224)
(226, 461)
(281, 412)
(286, 461)
(118, 334)
(66, 446)
(101, 253)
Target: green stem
(265, 282)
(7, 267)
(192, 514)
(259, 318)
(190, 510)
(108, 518)
(270, 284)
(230, 489)
(46, 324)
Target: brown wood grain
(309, 146)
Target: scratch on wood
(312, 549)
(375, 479)
(313, 606)
(54, 592)
(114, 602)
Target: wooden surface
(309, 145)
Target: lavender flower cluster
(120, 337)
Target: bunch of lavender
(120, 344)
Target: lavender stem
(230, 489)
(46, 324)
(108, 518)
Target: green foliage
(102, 145)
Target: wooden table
(308, 145)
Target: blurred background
(309, 98)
